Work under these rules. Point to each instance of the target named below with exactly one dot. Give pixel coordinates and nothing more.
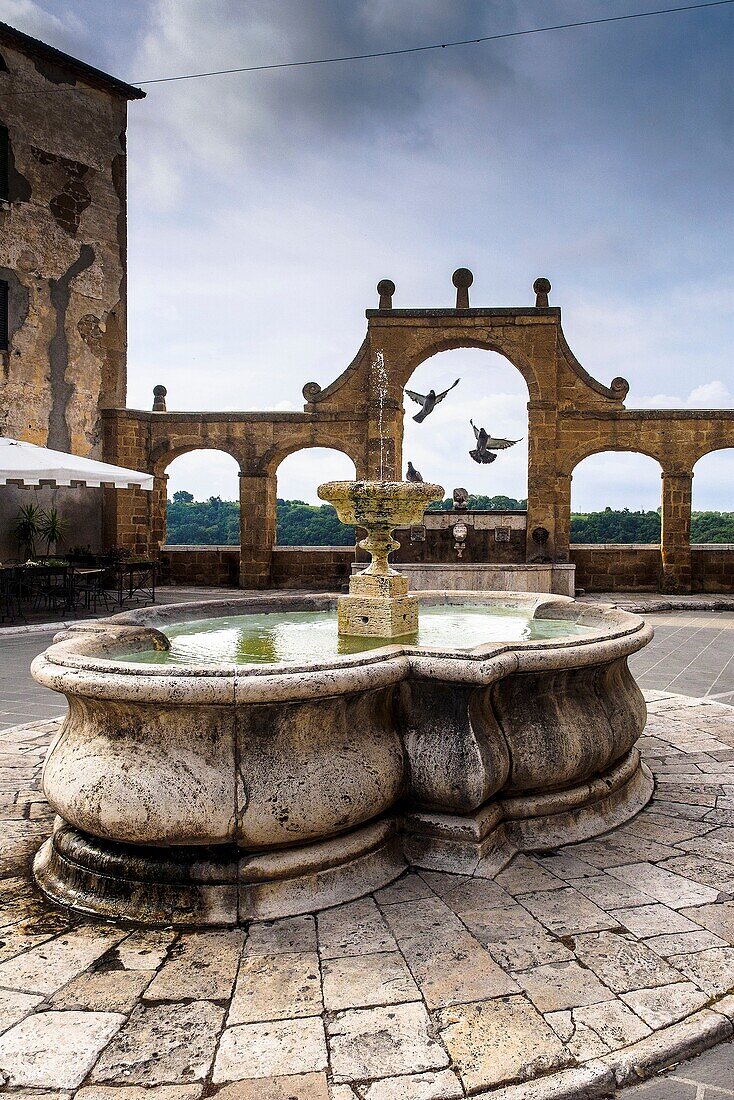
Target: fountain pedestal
(378, 604)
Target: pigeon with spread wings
(486, 444)
(428, 401)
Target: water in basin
(296, 637)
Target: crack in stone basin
(211, 794)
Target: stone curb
(41, 628)
(599, 1078)
(673, 1044)
(642, 606)
(590, 1082)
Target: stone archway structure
(571, 416)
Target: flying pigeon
(411, 474)
(428, 401)
(482, 453)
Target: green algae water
(299, 637)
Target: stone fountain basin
(209, 795)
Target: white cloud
(709, 395)
(30, 18)
(265, 207)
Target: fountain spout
(378, 604)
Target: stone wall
(201, 566)
(610, 567)
(320, 567)
(63, 254)
(712, 567)
(497, 537)
(621, 567)
(628, 567)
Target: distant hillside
(216, 522)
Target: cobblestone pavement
(594, 961)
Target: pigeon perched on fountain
(411, 474)
(428, 401)
(486, 444)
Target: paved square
(435, 987)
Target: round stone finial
(159, 399)
(311, 390)
(386, 289)
(462, 279)
(542, 288)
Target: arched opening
(712, 523)
(615, 498)
(302, 518)
(616, 522)
(493, 394)
(712, 514)
(203, 500)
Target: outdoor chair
(89, 589)
(11, 608)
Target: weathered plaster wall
(62, 251)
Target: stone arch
(486, 376)
(711, 451)
(348, 475)
(623, 451)
(589, 450)
(160, 461)
(442, 342)
(277, 454)
(164, 454)
(704, 477)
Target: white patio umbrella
(26, 464)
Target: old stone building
(62, 253)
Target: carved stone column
(257, 529)
(675, 535)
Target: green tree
(216, 522)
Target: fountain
(268, 756)
(378, 604)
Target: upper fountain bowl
(378, 604)
(380, 503)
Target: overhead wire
(440, 45)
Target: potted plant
(52, 529)
(27, 528)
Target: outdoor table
(136, 580)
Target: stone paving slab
(576, 971)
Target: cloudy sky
(264, 207)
